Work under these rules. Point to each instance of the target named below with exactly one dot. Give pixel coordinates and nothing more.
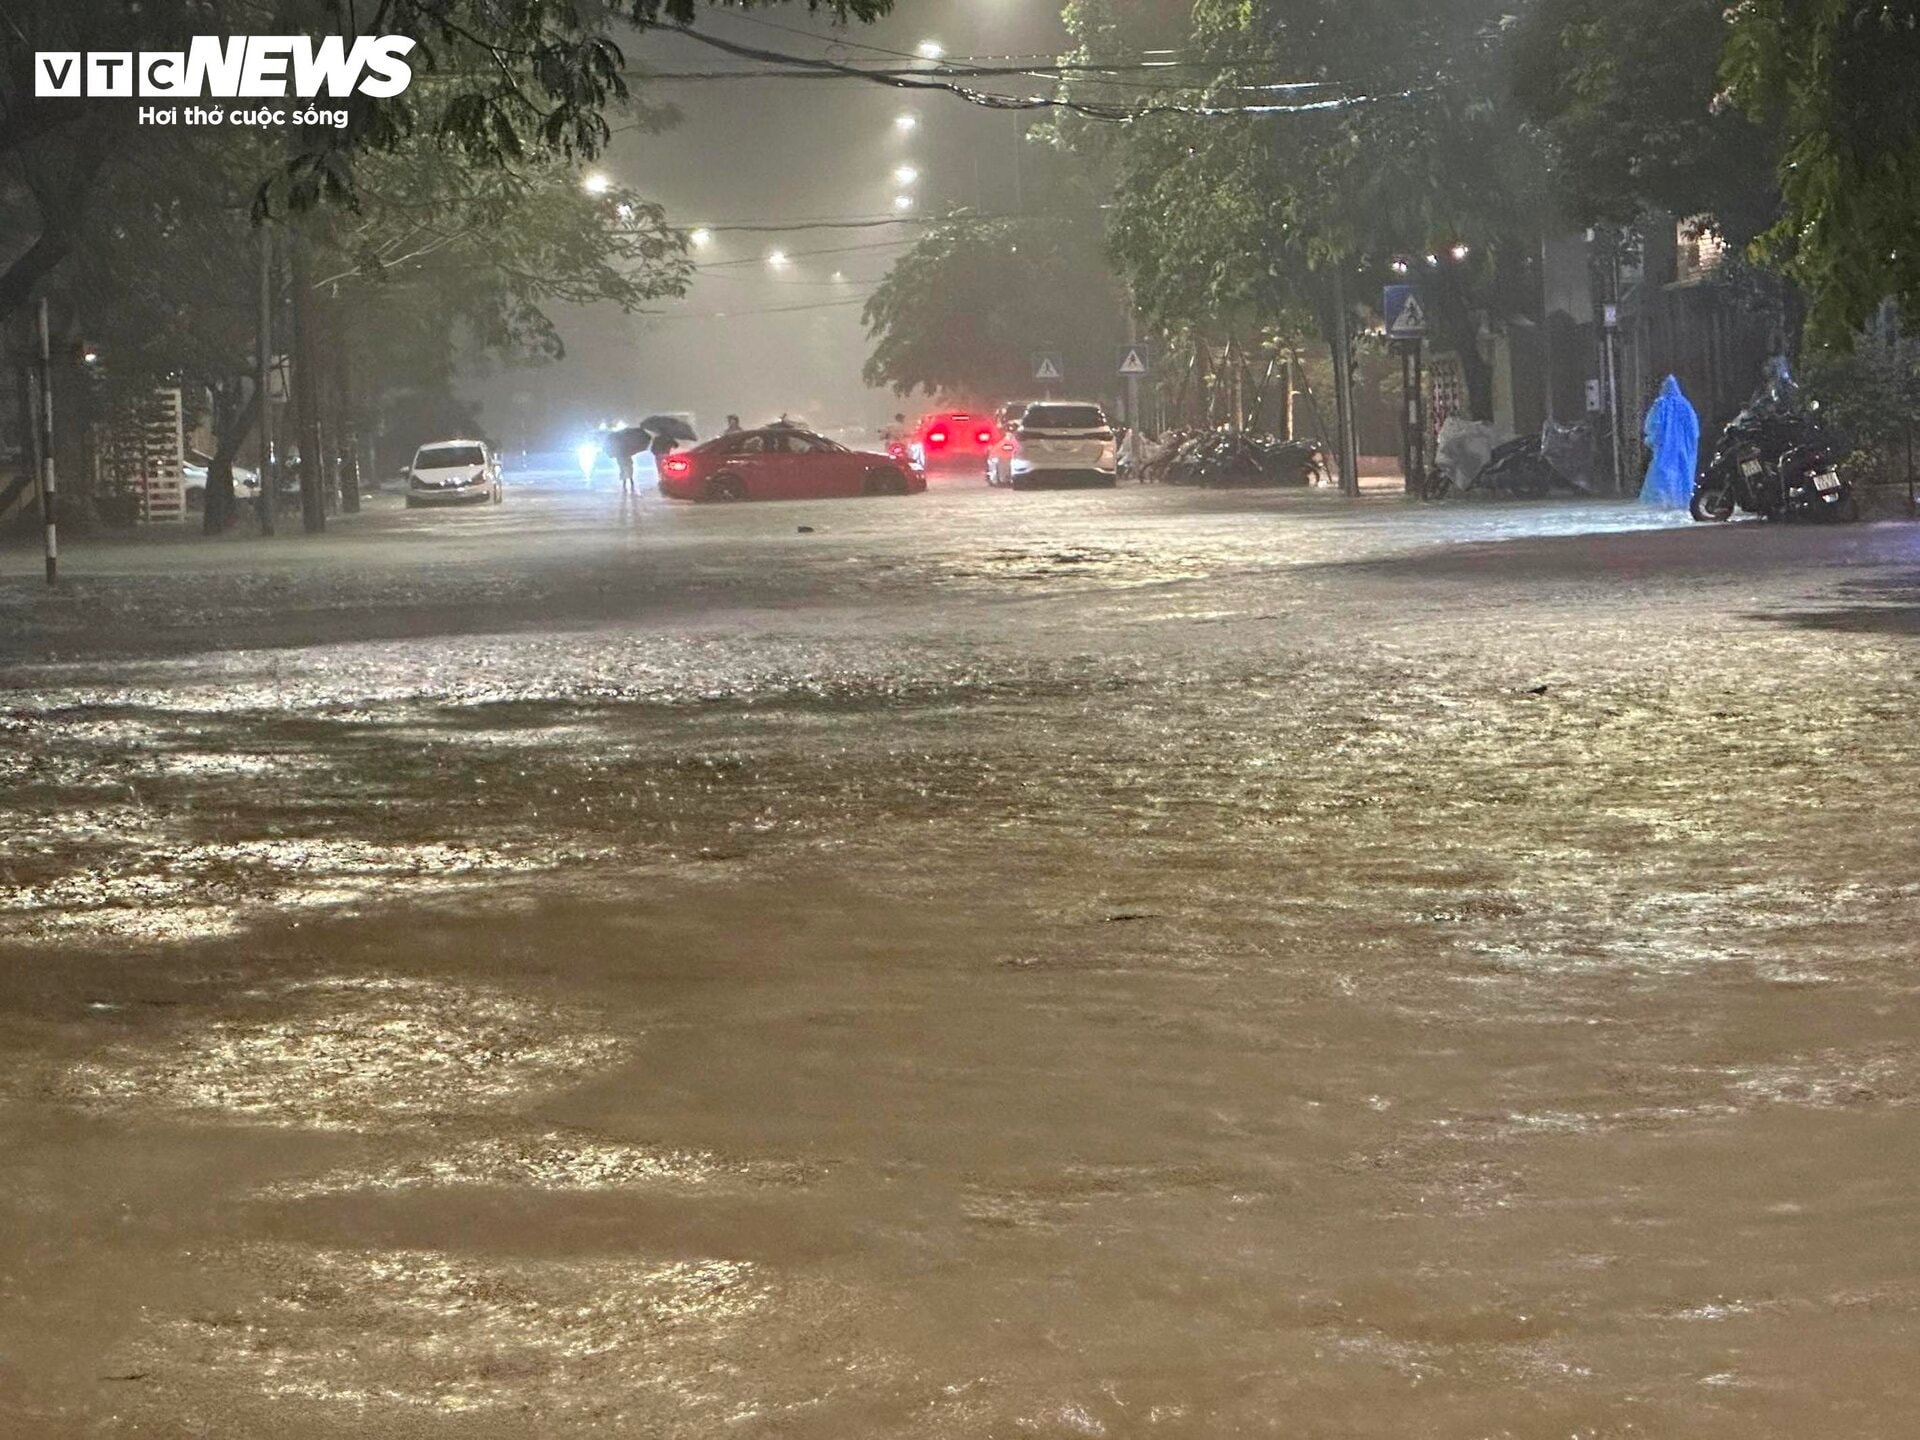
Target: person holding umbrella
(665, 434)
(623, 445)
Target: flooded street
(973, 964)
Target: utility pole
(1610, 356)
(306, 389)
(1133, 381)
(48, 489)
(263, 384)
(1348, 442)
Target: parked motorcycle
(1527, 467)
(1229, 457)
(1776, 461)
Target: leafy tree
(435, 263)
(964, 311)
(1269, 218)
(1834, 78)
(1870, 392)
(497, 82)
(1626, 93)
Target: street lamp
(778, 259)
(905, 175)
(904, 122)
(701, 238)
(903, 202)
(596, 184)
(1460, 252)
(931, 50)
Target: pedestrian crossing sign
(1133, 361)
(1406, 315)
(1049, 367)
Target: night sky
(778, 151)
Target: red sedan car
(781, 463)
(955, 441)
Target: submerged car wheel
(1712, 502)
(725, 489)
(886, 482)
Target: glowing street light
(778, 259)
(701, 238)
(905, 175)
(587, 453)
(931, 50)
(1460, 252)
(903, 122)
(903, 202)
(596, 184)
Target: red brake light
(936, 437)
(986, 437)
(679, 465)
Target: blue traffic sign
(1405, 311)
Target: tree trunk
(1339, 337)
(306, 387)
(59, 176)
(232, 424)
(1460, 333)
(345, 433)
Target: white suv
(1060, 442)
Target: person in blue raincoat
(1673, 435)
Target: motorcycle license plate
(1751, 468)
(1826, 480)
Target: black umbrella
(619, 443)
(671, 426)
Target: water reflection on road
(989, 965)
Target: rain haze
(1316, 841)
(759, 337)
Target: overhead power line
(925, 80)
(806, 254)
(1044, 70)
(757, 310)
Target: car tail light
(986, 437)
(678, 466)
(936, 437)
